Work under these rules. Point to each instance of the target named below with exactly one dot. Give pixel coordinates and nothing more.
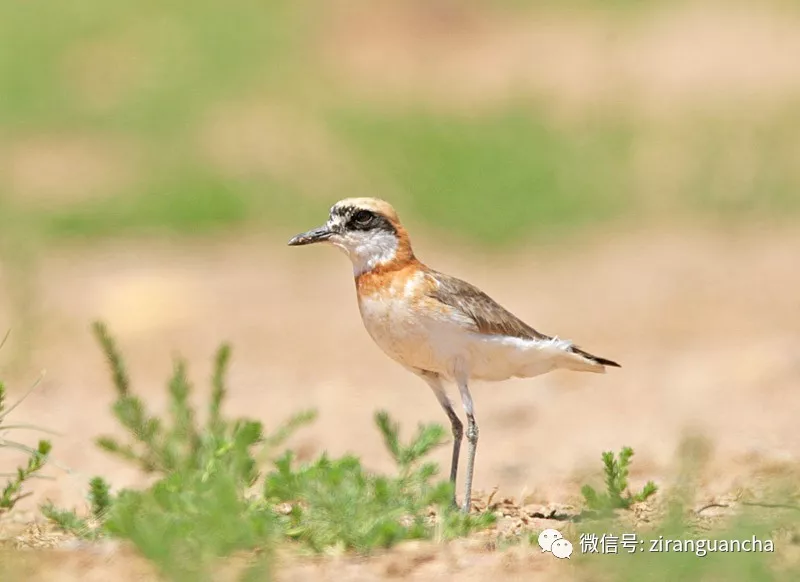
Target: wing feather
(488, 316)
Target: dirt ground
(706, 327)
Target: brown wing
(489, 316)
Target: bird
(440, 328)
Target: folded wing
(489, 317)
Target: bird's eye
(362, 217)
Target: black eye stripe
(363, 220)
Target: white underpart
(438, 342)
(366, 249)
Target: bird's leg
(472, 447)
(458, 435)
(435, 382)
(472, 441)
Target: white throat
(368, 252)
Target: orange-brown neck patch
(402, 266)
(386, 279)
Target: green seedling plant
(617, 494)
(90, 527)
(199, 508)
(12, 492)
(338, 504)
(214, 496)
(685, 543)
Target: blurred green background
(495, 122)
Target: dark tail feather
(596, 359)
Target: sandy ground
(706, 326)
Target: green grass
(769, 513)
(13, 490)
(516, 175)
(617, 495)
(499, 177)
(755, 540)
(496, 179)
(223, 485)
(196, 204)
(180, 57)
(159, 69)
(342, 505)
(662, 562)
(148, 76)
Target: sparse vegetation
(617, 495)
(206, 503)
(451, 167)
(12, 492)
(338, 503)
(683, 543)
(225, 487)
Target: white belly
(403, 334)
(434, 343)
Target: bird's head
(367, 230)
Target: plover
(436, 326)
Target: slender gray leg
(458, 435)
(472, 440)
(435, 382)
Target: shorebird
(440, 328)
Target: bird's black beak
(312, 236)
